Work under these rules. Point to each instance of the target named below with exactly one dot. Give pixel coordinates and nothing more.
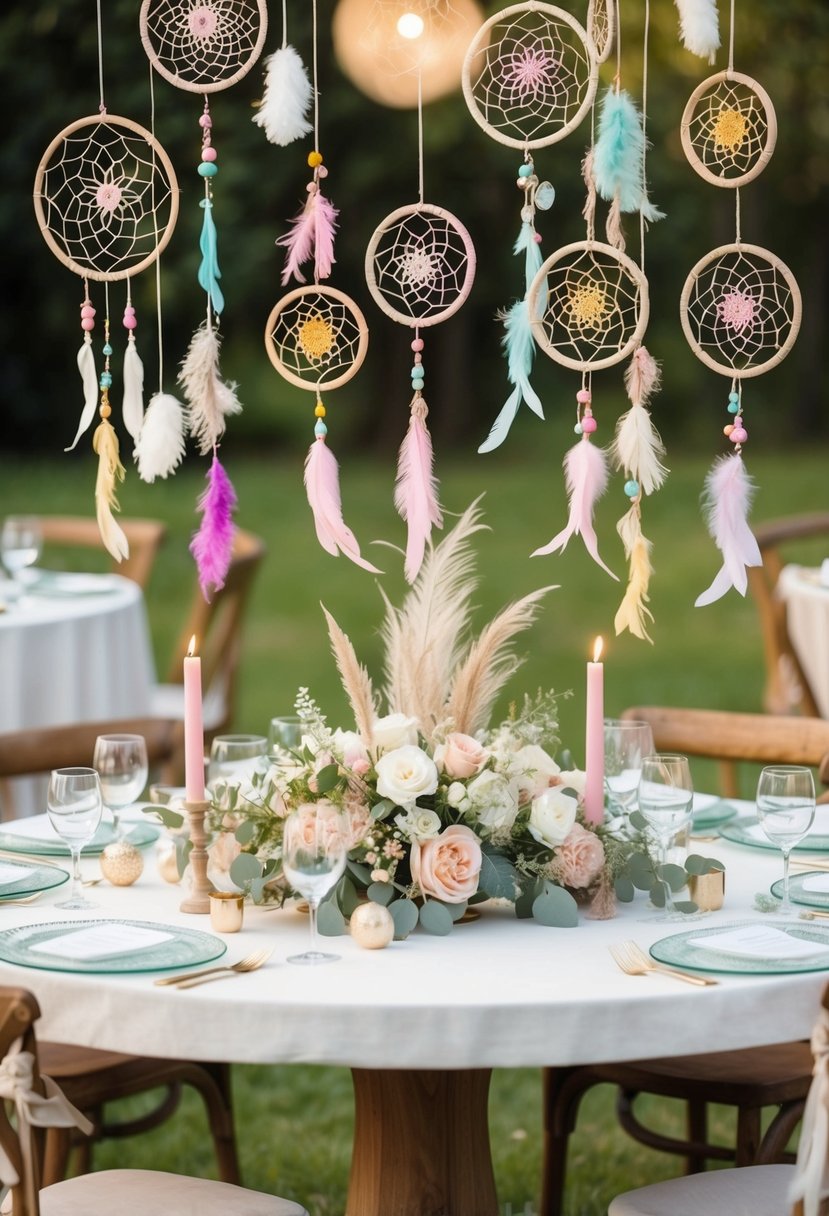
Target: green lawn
(295, 1123)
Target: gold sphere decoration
(121, 863)
(371, 926)
(166, 860)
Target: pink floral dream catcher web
(740, 306)
(206, 46)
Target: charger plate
(139, 834)
(186, 947)
(33, 878)
(680, 950)
(797, 892)
(711, 816)
(739, 831)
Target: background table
(496, 993)
(807, 617)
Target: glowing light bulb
(410, 25)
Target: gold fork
(633, 961)
(251, 962)
(24, 899)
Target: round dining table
(423, 1022)
(806, 595)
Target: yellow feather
(105, 445)
(633, 612)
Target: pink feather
(322, 485)
(325, 214)
(212, 545)
(416, 488)
(642, 377)
(727, 502)
(311, 235)
(585, 468)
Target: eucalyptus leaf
(530, 890)
(404, 913)
(184, 847)
(657, 895)
(244, 869)
(381, 893)
(456, 911)
(436, 918)
(347, 896)
(171, 819)
(624, 889)
(327, 778)
(245, 831)
(498, 877)
(674, 876)
(687, 906)
(256, 888)
(556, 908)
(640, 871)
(382, 808)
(330, 920)
(361, 873)
(638, 821)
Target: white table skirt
(496, 992)
(807, 616)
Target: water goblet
(314, 846)
(285, 734)
(235, 758)
(121, 761)
(626, 743)
(785, 812)
(21, 543)
(74, 806)
(666, 798)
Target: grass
(295, 1122)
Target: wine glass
(21, 543)
(74, 806)
(121, 761)
(235, 757)
(666, 799)
(785, 812)
(626, 742)
(314, 847)
(285, 734)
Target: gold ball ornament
(121, 863)
(371, 926)
(166, 860)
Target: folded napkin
(760, 942)
(102, 941)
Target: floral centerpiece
(443, 807)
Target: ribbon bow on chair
(811, 1180)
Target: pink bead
(130, 322)
(311, 187)
(583, 397)
(418, 358)
(739, 435)
(537, 238)
(87, 323)
(417, 344)
(322, 171)
(208, 153)
(588, 425)
(205, 122)
(87, 311)
(129, 310)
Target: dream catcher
(420, 266)
(529, 78)
(205, 46)
(740, 306)
(316, 338)
(106, 200)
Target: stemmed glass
(314, 847)
(74, 805)
(121, 761)
(21, 542)
(626, 743)
(666, 798)
(284, 734)
(785, 812)
(235, 757)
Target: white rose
(349, 747)
(552, 815)
(494, 799)
(456, 795)
(393, 731)
(406, 773)
(573, 779)
(418, 824)
(533, 769)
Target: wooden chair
(759, 1190)
(787, 687)
(749, 1080)
(92, 1078)
(145, 537)
(123, 1191)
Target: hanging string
(644, 130)
(284, 24)
(618, 80)
(316, 82)
(102, 106)
(731, 41)
(737, 213)
(158, 259)
(420, 131)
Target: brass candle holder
(198, 899)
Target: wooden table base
(421, 1144)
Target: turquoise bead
(733, 407)
(578, 429)
(525, 171)
(106, 380)
(417, 371)
(107, 349)
(320, 428)
(207, 169)
(631, 488)
(733, 397)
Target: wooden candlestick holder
(198, 899)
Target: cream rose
(456, 795)
(552, 816)
(495, 800)
(394, 731)
(460, 756)
(533, 769)
(418, 824)
(448, 866)
(573, 779)
(405, 774)
(350, 747)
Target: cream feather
(105, 445)
(355, 680)
(288, 95)
(159, 449)
(86, 366)
(210, 399)
(132, 403)
(637, 448)
(643, 377)
(633, 612)
(699, 27)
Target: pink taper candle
(193, 729)
(594, 740)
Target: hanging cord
(284, 24)
(102, 106)
(316, 80)
(420, 131)
(158, 259)
(737, 218)
(618, 80)
(644, 131)
(731, 42)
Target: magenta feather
(585, 468)
(212, 545)
(322, 485)
(416, 488)
(311, 235)
(727, 502)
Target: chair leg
(697, 1124)
(563, 1092)
(218, 1099)
(56, 1155)
(748, 1135)
(778, 1134)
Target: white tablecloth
(807, 615)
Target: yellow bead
(105, 410)
(319, 410)
(314, 159)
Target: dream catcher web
(729, 129)
(601, 27)
(203, 45)
(316, 337)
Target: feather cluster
(132, 405)
(585, 469)
(322, 485)
(159, 448)
(311, 236)
(212, 545)
(726, 503)
(633, 612)
(619, 156)
(286, 100)
(355, 680)
(699, 27)
(210, 400)
(89, 377)
(637, 448)
(209, 273)
(416, 487)
(110, 470)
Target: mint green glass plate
(187, 948)
(680, 950)
(737, 831)
(797, 893)
(715, 815)
(34, 878)
(139, 834)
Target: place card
(102, 941)
(815, 882)
(760, 941)
(13, 873)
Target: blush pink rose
(580, 857)
(448, 865)
(461, 756)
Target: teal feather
(519, 345)
(526, 243)
(209, 273)
(618, 157)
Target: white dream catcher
(106, 200)
(420, 267)
(740, 307)
(206, 46)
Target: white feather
(132, 407)
(159, 448)
(86, 366)
(209, 398)
(726, 504)
(286, 99)
(699, 27)
(637, 447)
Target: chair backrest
(808, 1186)
(145, 537)
(787, 687)
(217, 627)
(18, 1013)
(41, 749)
(733, 737)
